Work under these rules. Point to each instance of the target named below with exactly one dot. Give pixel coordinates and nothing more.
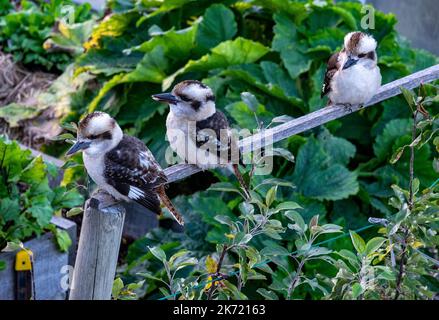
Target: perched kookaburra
(352, 76)
(120, 164)
(197, 132)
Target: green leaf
(63, 240)
(227, 53)
(374, 244)
(358, 242)
(287, 205)
(268, 295)
(409, 97)
(250, 100)
(297, 218)
(350, 257)
(9, 209)
(150, 69)
(158, 253)
(74, 211)
(340, 150)
(357, 290)
(274, 250)
(286, 42)
(386, 140)
(2, 265)
(276, 75)
(218, 25)
(224, 186)
(317, 176)
(117, 288)
(271, 196)
(177, 44)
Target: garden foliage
(27, 202)
(26, 25)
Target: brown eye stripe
(184, 97)
(106, 135)
(210, 98)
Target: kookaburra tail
(199, 133)
(120, 164)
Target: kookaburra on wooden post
(199, 133)
(352, 76)
(120, 164)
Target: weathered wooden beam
(314, 119)
(98, 249)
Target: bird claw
(348, 106)
(101, 200)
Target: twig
(401, 265)
(292, 285)
(410, 204)
(217, 273)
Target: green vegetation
(27, 202)
(25, 25)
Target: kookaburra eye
(185, 98)
(361, 55)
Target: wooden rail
(315, 119)
(102, 228)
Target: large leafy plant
(27, 202)
(26, 25)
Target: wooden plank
(48, 261)
(98, 249)
(314, 119)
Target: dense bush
(25, 25)
(27, 202)
(344, 172)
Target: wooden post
(98, 249)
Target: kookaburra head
(97, 134)
(190, 100)
(359, 49)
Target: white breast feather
(177, 133)
(356, 85)
(95, 169)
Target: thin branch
(293, 283)
(314, 119)
(401, 265)
(410, 204)
(217, 273)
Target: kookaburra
(197, 132)
(120, 164)
(352, 76)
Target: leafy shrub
(24, 29)
(27, 202)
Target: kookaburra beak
(79, 145)
(350, 63)
(165, 97)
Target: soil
(21, 85)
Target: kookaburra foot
(348, 106)
(101, 200)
